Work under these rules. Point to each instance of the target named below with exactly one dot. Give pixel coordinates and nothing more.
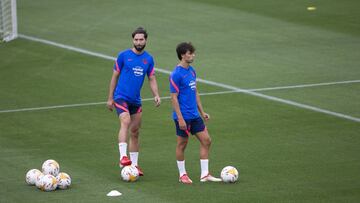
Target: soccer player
(127, 79)
(187, 113)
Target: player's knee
(135, 132)
(182, 145)
(125, 122)
(207, 142)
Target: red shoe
(185, 179)
(140, 171)
(125, 161)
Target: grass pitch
(284, 153)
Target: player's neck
(136, 51)
(183, 64)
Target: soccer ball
(49, 183)
(38, 181)
(229, 174)
(31, 176)
(130, 173)
(63, 180)
(50, 167)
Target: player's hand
(206, 116)
(157, 101)
(182, 124)
(110, 104)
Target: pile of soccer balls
(49, 178)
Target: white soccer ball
(49, 183)
(130, 173)
(229, 174)
(38, 181)
(50, 167)
(63, 180)
(31, 176)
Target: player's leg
(124, 118)
(135, 125)
(134, 143)
(122, 110)
(205, 143)
(181, 143)
(180, 147)
(180, 159)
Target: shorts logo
(138, 71)
(192, 85)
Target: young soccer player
(187, 113)
(127, 79)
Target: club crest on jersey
(145, 61)
(192, 85)
(138, 71)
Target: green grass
(331, 15)
(327, 97)
(284, 153)
(246, 49)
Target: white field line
(303, 86)
(229, 87)
(92, 104)
(83, 51)
(51, 107)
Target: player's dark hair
(183, 47)
(139, 30)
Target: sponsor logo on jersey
(192, 85)
(138, 71)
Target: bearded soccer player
(188, 113)
(130, 69)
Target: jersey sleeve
(151, 69)
(119, 63)
(174, 83)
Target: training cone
(113, 193)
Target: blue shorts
(124, 106)
(193, 126)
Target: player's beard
(139, 48)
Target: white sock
(134, 158)
(204, 163)
(181, 167)
(122, 149)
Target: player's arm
(154, 90)
(176, 107)
(200, 107)
(113, 82)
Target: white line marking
(83, 51)
(235, 89)
(55, 44)
(51, 107)
(305, 85)
(92, 104)
(340, 115)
